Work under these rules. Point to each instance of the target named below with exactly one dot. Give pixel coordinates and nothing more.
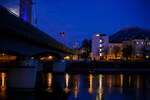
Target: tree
(116, 50)
(86, 45)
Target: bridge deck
(15, 29)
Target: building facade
(114, 51)
(100, 44)
(137, 48)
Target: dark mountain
(129, 33)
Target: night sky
(81, 19)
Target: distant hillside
(129, 33)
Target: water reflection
(3, 86)
(100, 89)
(90, 90)
(49, 82)
(121, 83)
(67, 83)
(76, 85)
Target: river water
(66, 86)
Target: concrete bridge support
(23, 76)
(59, 66)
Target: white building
(100, 44)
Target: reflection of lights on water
(121, 82)
(76, 89)
(90, 90)
(100, 89)
(129, 80)
(3, 86)
(110, 82)
(49, 82)
(138, 82)
(67, 83)
(3, 75)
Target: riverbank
(99, 66)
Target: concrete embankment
(97, 66)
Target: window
(100, 45)
(100, 41)
(100, 50)
(100, 54)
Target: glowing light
(67, 58)
(90, 90)
(32, 58)
(100, 54)
(147, 57)
(100, 41)
(100, 50)
(137, 42)
(148, 43)
(97, 34)
(142, 43)
(100, 45)
(47, 58)
(67, 83)
(50, 57)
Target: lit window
(100, 41)
(142, 43)
(100, 50)
(148, 43)
(97, 34)
(137, 42)
(100, 45)
(100, 54)
(147, 57)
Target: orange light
(76, 89)
(3, 75)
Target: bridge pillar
(22, 77)
(59, 66)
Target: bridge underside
(22, 39)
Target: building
(135, 49)
(115, 51)
(147, 48)
(26, 10)
(100, 43)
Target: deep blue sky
(81, 19)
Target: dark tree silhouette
(86, 45)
